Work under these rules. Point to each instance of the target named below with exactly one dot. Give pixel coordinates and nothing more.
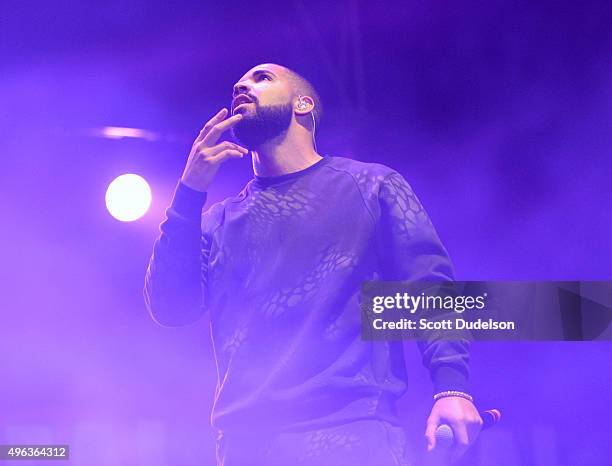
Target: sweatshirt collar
(265, 181)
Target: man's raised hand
(206, 155)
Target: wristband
(448, 393)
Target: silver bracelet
(448, 393)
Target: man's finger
(210, 123)
(462, 441)
(430, 434)
(214, 150)
(473, 428)
(227, 154)
(211, 138)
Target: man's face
(263, 96)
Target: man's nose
(239, 88)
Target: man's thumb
(430, 434)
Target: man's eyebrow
(260, 72)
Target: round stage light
(128, 197)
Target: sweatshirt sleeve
(410, 250)
(173, 282)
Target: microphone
(445, 436)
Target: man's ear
(303, 105)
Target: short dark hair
(301, 86)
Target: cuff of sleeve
(188, 202)
(447, 378)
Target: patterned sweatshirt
(279, 268)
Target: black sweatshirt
(279, 267)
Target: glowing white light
(119, 132)
(128, 197)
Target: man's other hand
(462, 417)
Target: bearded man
(279, 268)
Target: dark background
(498, 113)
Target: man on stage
(279, 268)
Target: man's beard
(268, 123)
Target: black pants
(359, 443)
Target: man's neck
(283, 157)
